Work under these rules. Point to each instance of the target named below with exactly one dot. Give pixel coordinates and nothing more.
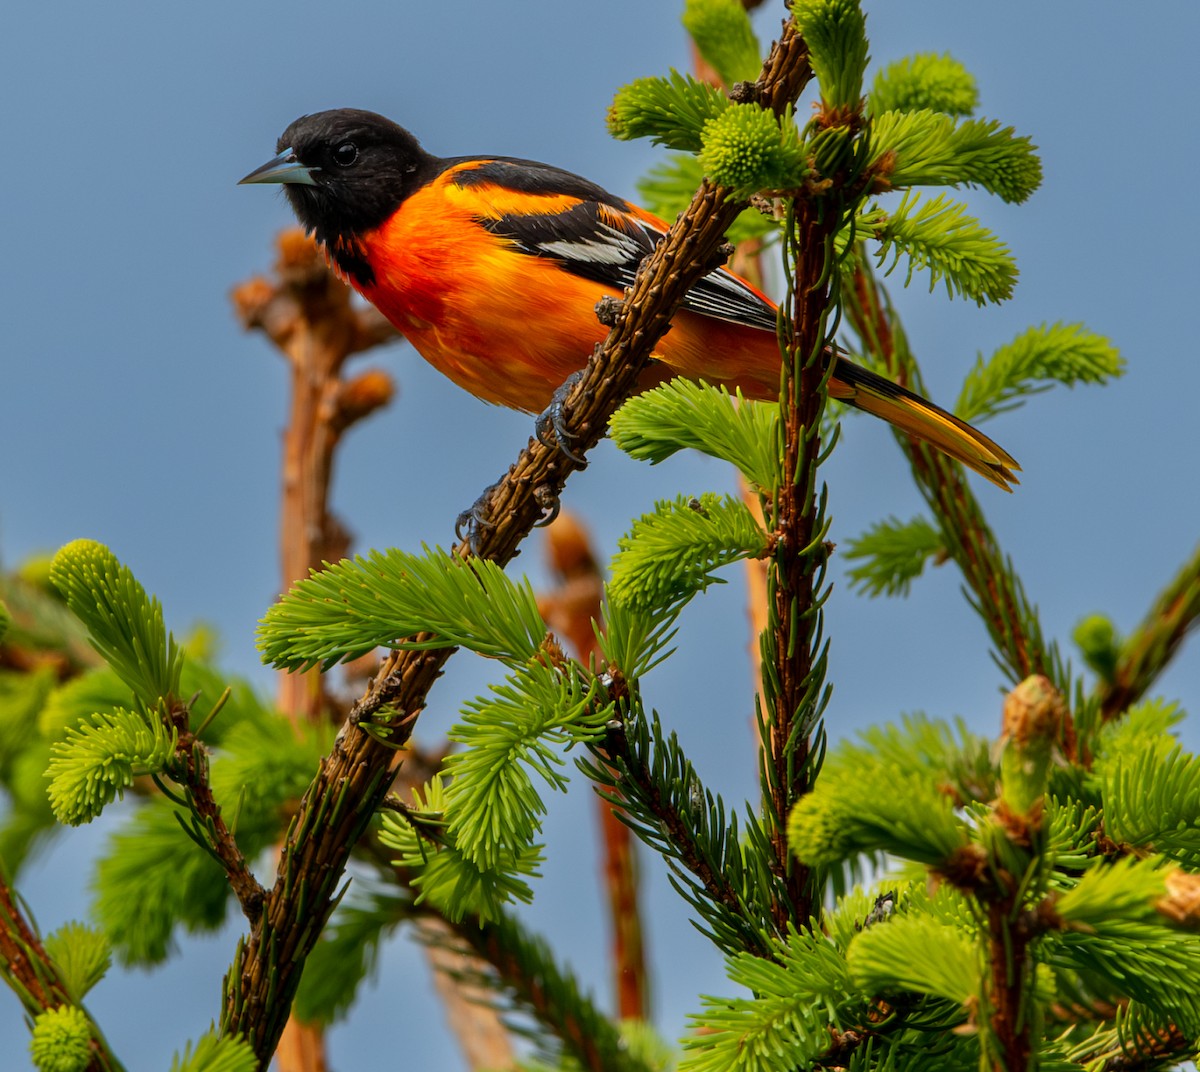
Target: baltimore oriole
(492, 266)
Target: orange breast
(510, 327)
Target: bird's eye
(345, 154)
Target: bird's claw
(550, 425)
(549, 502)
(469, 524)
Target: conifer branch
(995, 589)
(195, 778)
(792, 693)
(1147, 651)
(667, 806)
(356, 775)
(536, 984)
(31, 974)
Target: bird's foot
(545, 497)
(469, 525)
(550, 426)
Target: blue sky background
(133, 410)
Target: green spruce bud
(97, 761)
(836, 34)
(62, 1040)
(1035, 720)
(82, 956)
(1097, 640)
(35, 572)
(671, 111)
(747, 148)
(725, 38)
(939, 83)
(816, 833)
(124, 623)
(832, 151)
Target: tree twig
(1148, 650)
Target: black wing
(600, 238)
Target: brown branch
(1010, 979)
(679, 830)
(309, 316)
(1147, 651)
(33, 976)
(307, 313)
(472, 1018)
(194, 757)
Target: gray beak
(284, 168)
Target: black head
(345, 171)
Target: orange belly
(511, 327)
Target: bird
(491, 267)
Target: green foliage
(22, 696)
(492, 809)
(928, 148)
(571, 1030)
(939, 236)
(868, 802)
(345, 610)
(61, 1040)
(346, 955)
(80, 698)
(671, 111)
(724, 37)
(214, 1054)
(5, 620)
(924, 82)
(29, 819)
(262, 768)
(647, 1046)
(682, 414)
(1098, 643)
(1033, 362)
(101, 689)
(895, 956)
(124, 624)
(1113, 931)
(717, 868)
(956, 761)
(893, 554)
(24, 754)
(670, 555)
(82, 956)
(835, 32)
(668, 187)
(152, 878)
(443, 874)
(797, 992)
(636, 642)
(749, 149)
(96, 762)
(1125, 889)
(1151, 799)
(1144, 725)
